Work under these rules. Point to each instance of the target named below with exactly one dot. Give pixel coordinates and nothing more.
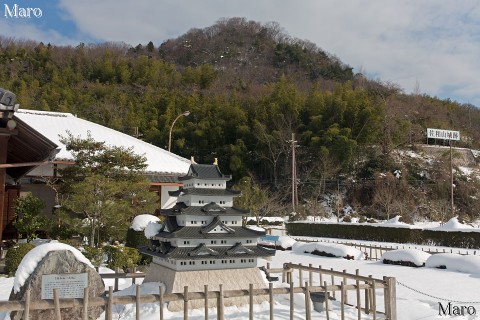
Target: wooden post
(292, 305)
(367, 300)
(185, 302)
(270, 298)
(137, 302)
(134, 280)
(26, 313)
(58, 315)
(85, 304)
(320, 274)
(220, 312)
(161, 302)
(117, 270)
(345, 283)
(342, 301)
(326, 300)
(374, 300)
(310, 279)
(108, 312)
(333, 282)
(205, 290)
(250, 299)
(300, 276)
(359, 299)
(392, 295)
(308, 312)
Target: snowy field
(419, 290)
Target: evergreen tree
(104, 189)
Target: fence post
(310, 279)
(367, 300)
(292, 305)
(185, 302)
(392, 298)
(250, 298)
(333, 282)
(134, 280)
(308, 313)
(26, 313)
(206, 300)
(137, 302)
(359, 299)
(220, 312)
(345, 283)
(320, 274)
(326, 300)
(342, 301)
(300, 275)
(117, 270)
(85, 304)
(108, 313)
(58, 315)
(270, 298)
(161, 302)
(374, 300)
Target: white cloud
(400, 41)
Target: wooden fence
(330, 283)
(374, 252)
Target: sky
(430, 46)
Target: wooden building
(22, 149)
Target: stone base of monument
(230, 279)
(61, 270)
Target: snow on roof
(283, 241)
(418, 257)
(454, 262)
(141, 221)
(338, 250)
(53, 125)
(34, 256)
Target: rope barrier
(435, 297)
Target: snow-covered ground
(419, 290)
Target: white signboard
(443, 134)
(69, 285)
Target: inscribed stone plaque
(69, 285)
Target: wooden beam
(23, 164)
(3, 174)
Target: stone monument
(62, 270)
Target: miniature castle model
(202, 240)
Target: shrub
(95, 255)
(15, 255)
(121, 257)
(136, 239)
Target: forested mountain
(248, 86)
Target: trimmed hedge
(468, 240)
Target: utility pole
(451, 179)
(294, 175)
